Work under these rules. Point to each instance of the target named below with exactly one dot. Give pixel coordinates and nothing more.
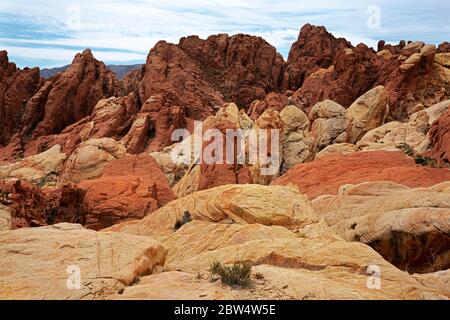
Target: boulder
(326, 175)
(408, 227)
(44, 263)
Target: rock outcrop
(326, 175)
(439, 136)
(30, 206)
(408, 227)
(65, 262)
(16, 88)
(129, 188)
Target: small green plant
(424, 161)
(407, 149)
(239, 274)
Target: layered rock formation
(326, 175)
(357, 141)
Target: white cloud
(134, 26)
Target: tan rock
(339, 148)
(328, 122)
(90, 157)
(5, 218)
(242, 204)
(175, 285)
(296, 147)
(173, 171)
(38, 263)
(443, 59)
(296, 265)
(366, 113)
(439, 280)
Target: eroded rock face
(440, 139)
(90, 158)
(408, 227)
(107, 262)
(16, 88)
(294, 265)
(243, 68)
(241, 204)
(315, 48)
(42, 168)
(73, 95)
(129, 188)
(368, 112)
(358, 167)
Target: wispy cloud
(49, 33)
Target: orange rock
(129, 188)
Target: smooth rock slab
(34, 262)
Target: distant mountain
(119, 70)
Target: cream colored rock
(409, 227)
(268, 121)
(385, 54)
(296, 265)
(412, 133)
(43, 263)
(242, 204)
(335, 149)
(90, 157)
(5, 218)
(296, 147)
(175, 285)
(189, 183)
(173, 171)
(35, 167)
(328, 123)
(294, 119)
(366, 113)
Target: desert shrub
(239, 274)
(259, 276)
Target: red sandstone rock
(16, 88)
(440, 139)
(326, 175)
(315, 48)
(241, 67)
(130, 188)
(31, 206)
(443, 47)
(74, 94)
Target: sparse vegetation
(185, 219)
(424, 161)
(239, 274)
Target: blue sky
(49, 33)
